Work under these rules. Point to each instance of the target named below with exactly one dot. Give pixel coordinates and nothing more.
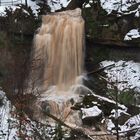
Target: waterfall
(57, 65)
(59, 49)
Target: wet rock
(52, 108)
(45, 107)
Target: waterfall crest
(59, 49)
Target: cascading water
(59, 45)
(59, 55)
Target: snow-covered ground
(122, 6)
(57, 4)
(8, 123)
(15, 127)
(32, 4)
(131, 127)
(126, 75)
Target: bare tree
(26, 3)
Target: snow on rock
(100, 98)
(10, 122)
(7, 122)
(55, 5)
(138, 12)
(130, 128)
(108, 5)
(121, 6)
(87, 5)
(58, 4)
(3, 6)
(132, 123)
(33, 5)
(125, 75)
(134, 33)
(9, 2)
(2, 9)
(110, 125)
(90, 112)
(117, 114)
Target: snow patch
(33, 6)
(8, 129)
(134, 33)
(118, 113)
(125, 75)
(14, 6)
(90, 112)
(121, 6)
(110, 125)
(131, 127)
(57, 4)
(132, 123)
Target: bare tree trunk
(26, 3)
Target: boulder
(91, 115)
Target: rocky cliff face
(112, 20)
